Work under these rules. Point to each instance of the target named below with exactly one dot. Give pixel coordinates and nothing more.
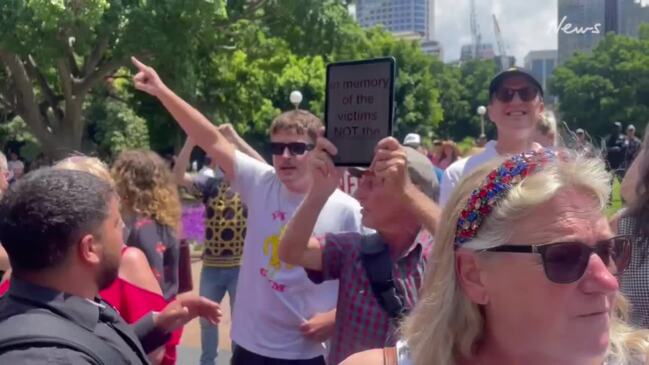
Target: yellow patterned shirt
(225, 223)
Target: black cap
(513, 71)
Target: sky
(525, 25)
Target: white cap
(412, 139)
(630, 127)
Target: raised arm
(391, 163)
(231, 135)
(195, 124)
(298, 246)
(179, 171)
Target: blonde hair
(547, 125)
(445, 325)
(87, 164)
(146, 187)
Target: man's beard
(108, 273)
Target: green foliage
(113, 125)
(15, 130)
(611, 84)
(416, 93)
(465, 88)
(121, 130)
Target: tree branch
(91, 79)
(66, 44)
(26, 105)
(252, 8)
(96, 55)
(50, 97)
(66, 77)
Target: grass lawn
(616, 203)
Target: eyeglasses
(295, 148)
(566, 262)
(505, 94)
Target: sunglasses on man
(566, 262)
(294, 148)
(526, 94)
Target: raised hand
(390, 164)
(147, 79)
(325, 176)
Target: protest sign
(359, 108)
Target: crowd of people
(502, 256)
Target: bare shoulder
(133, 258)
(368, 357)
(135, 269)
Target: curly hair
(146, 187)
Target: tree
(53, 52)
(465, 88)
(611, 84)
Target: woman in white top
(524, 274)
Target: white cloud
(524, 25)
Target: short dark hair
(46, 212)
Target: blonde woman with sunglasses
(524, 273)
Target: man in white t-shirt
(16, 166)
(515, 106)
(280, 316)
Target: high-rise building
(583, 23)
(398, 16)
(631, 15)
(541, 64)
(409, 19)
(485, 51)
(580, 26)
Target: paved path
(189, 351)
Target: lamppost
(296, 98)
(481, 112)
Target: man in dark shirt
(63, 232)
(632, 146)
(615, 150)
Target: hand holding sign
(326, 176)
(359, 108)
(390, 164)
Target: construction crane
(475, 31)
(502, 52)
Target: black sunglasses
(566, 262)
(505, 94)
(295, 148)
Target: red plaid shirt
(361, 323)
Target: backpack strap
(375, 256)
(40, 328)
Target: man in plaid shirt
(396, 194)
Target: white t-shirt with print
(463, 167)
(273, 298)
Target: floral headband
(495, 186)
